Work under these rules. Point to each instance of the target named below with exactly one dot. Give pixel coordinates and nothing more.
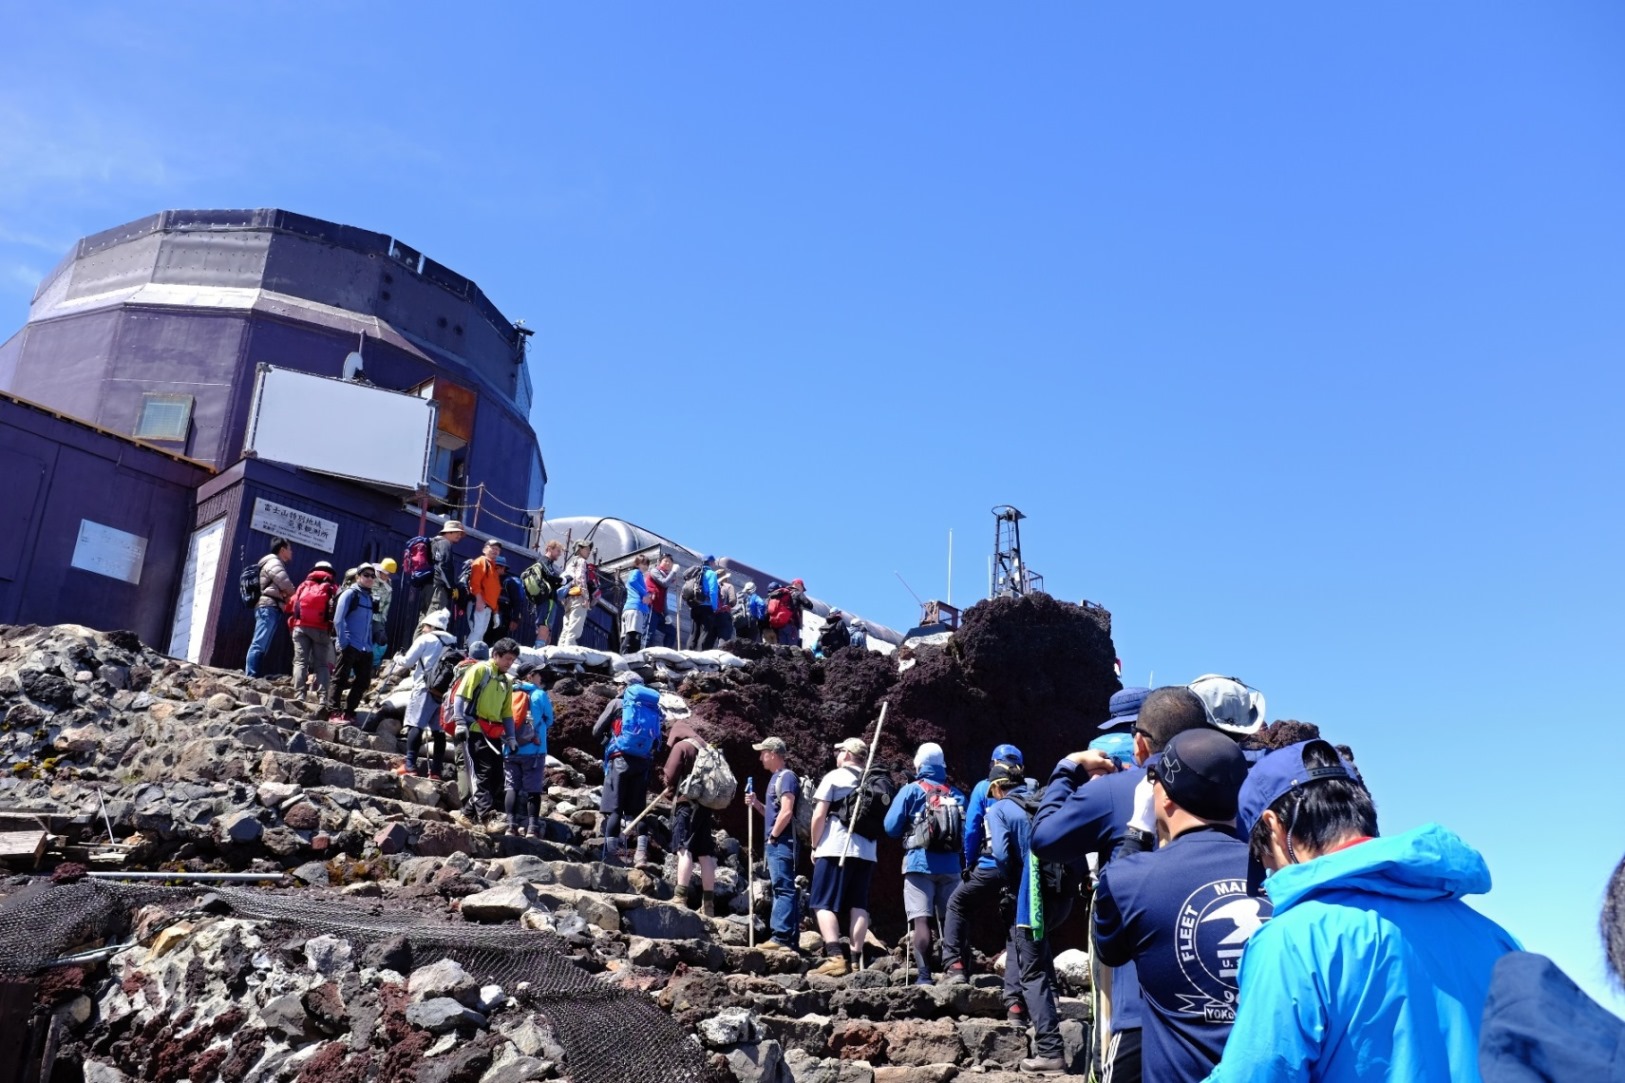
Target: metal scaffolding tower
(1010, 576)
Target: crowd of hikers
(1247, 919)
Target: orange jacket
(485, 581)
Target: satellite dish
(352, 365)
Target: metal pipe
(193, 877)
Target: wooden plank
(23, 845)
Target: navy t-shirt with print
(1182, 913)
(783, 782)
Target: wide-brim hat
(1124, 708)
(452, 526)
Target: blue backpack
(640, 722)
(756, 606)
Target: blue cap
(709, 559)
(480, 652)
(1119, 746)
(1008, 754)
(1280, 772)
(1125, 707)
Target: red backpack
(312, 605)
(780, 611)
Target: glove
(510, 748)
(1145, 814)
(964, 875)
(459, 734)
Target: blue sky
(1295, 332)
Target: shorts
(926, 894)
(691, 827)
(838, 889)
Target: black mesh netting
(608, 1034)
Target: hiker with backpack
(482, 707)
(781, 615)
(859, 636)
(929, 816)
(844, 829)
(661, 579)
(690, 759)
(513, 611)
(580, 586)
(635, 610)
(779, 838)
(310, 622)
(983, 882)
(268, 582)
(749, 614)
(383, 593)
(484, 591)
(542, 582)
(727, 603)
(422, 660)
(440, 590)
(352, 623)
(834, 635)
(1182, 913)
(702, 594)
(630, 729)
(526, 767)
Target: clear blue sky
(1296, 332)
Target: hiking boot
(836, 966)
(518, 828)
(434, 776)
(403, 769)
(535, 827)
(925, 978)
(463, 819)
(642, 854)
(612, 852)
(708, 904)
(1043, 1064)
(498, 826)
(1016, 1015)
(776, 945)
(956, 975)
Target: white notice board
(116, 554)
(197, 592)
(299, 527)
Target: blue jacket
(636, 587)
(1371, 969)
(541, 717)
(352, 618)
(1540, 1028)
(710, 588)
(900, 819)
(975, 831)
(1009, 833)
(1082, 816)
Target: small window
(164, 417)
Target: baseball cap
(1118, 745)
(770, 744)
(1007, 754)
(480, 652)
(1202, 772)
(854, 745)
(1124, 707)
(1009, 774)
(1280, 772)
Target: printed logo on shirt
(1213, 926)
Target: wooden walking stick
(863, 781)
(750, 860)
(627, 830)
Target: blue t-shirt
(1182, 915)
(784, 782)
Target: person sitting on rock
(352, 623)
(276, 587)
(691, 823)
(482, 705)
(422, 712)
(779, 836)
(984, 884)
(929, 816)
(838, 886)
(630, 729)
(526, 767)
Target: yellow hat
(389, 565)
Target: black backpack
(864, 809)
(248, 584)
(1055, 877)
(693, 594)
(444, 674)
(939, 826)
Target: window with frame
(164, 417)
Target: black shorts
(691, 827)
(836, 888)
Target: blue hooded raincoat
(1372, 967)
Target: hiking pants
(480, 617)
(781, 868)
(626, 792)
(1034, 962)
(702, 632)
(978, 895)
(575, 622)
(789, 635)
(486, 780)
(423, 724)
(659, 633)
(312, 654)
(266, 618)
(353, 674)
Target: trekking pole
(627, 830)
(863, 781)
(750, 860)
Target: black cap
(1201, 771)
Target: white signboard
(197, 591)
(341, 427)
(299, 527)
(109, 552)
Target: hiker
(442, 591)
(779, 615)
(703, 594)
(779, 843)
(860, 635)
(543, 583)
(727, 602)
(749, 613)
(691, 823)
(310, 622)
(1182, 914)
(526, 767)
(275, 590)
(1538, 1025)
(1372, 967)
(482, 705)
(630, 728)
(1006, 829)
(383, 593)
(635, 610)
(352, 624)
(800, 605)
(484, 591)
(837, 887)
(983, 883)
(422, 709)
(577, 595)
(1086, 809)
(513, 610)
(834, 635)
(660, 580)
(929, 816)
